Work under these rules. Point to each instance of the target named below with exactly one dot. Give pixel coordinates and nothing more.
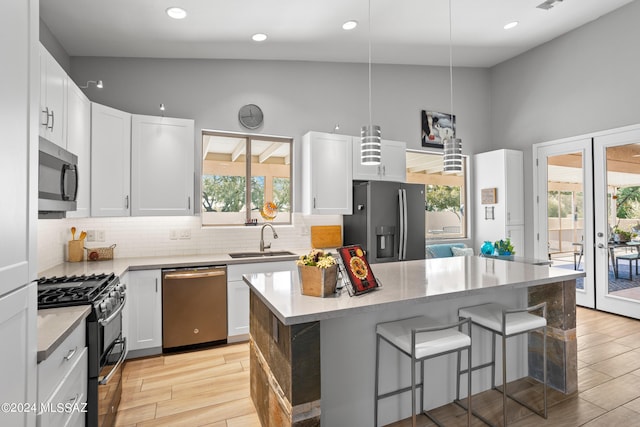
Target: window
(244, 170)
(445, 195)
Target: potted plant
(318, 273)
(504, 247)
(620, 235)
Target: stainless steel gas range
(106, 347)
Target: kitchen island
(313, 359)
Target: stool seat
(490, 316)
(421, 338)
(427, 343)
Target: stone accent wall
(562, 347)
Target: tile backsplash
(162, 236)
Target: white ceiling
(402, 31)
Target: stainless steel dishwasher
(194, 306)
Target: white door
(563, 215)
(161, 166)
(144, 297)
(617, 216)
(79, 143)
(110, 161)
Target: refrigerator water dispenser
(384, 241)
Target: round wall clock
(250, 116)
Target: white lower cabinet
(18, 313)
(62, 382)
(143, 313)
(238, 295)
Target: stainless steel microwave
(57, 180)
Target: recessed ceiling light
(259, 37)
(176, 12)
(510, 25)
(349, 25)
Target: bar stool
(507, 323)
(421, 338)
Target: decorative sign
(358, 269)
(488, 196)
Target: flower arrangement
(317, 258)
(504, 247)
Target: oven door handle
(123, 356)
(106, 321)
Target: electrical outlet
(100, 235)
(91, 235)
(185, 234)
(173, 234)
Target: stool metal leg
(375, 406)
(413, 380)
(493, 360)
(544, 369)
(422, 388)
(504, 379)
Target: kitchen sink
(259, 254)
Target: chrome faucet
(275, 236)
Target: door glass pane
(623, 194)
(565, 212)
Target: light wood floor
(211, 387)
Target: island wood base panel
(285, 369)
(562, 347)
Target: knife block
(75, 250)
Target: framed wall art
(436, 127)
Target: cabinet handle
(189, 203)
(384, 170)
(508, 216)
(156, 285)
(70, 355)
(126, 202)
(74, 399)
(314, 203)
(46, 115)
(53, 120)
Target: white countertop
(119, 266)
(55, 324)
(409, 282)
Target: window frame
(249, 139)
(465, 232)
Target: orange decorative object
(269, 211)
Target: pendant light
(370, 136)
(452, 158)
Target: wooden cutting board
(326, 236)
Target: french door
(564, 214)
(617, 221)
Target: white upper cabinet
(110, 161)
(53, 90)
(162, 174)
(392, 167)
(79, 143)
(326, 174)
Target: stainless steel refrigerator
(387, 220)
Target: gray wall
(585, 81)
(54, 47)
(295, 96)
